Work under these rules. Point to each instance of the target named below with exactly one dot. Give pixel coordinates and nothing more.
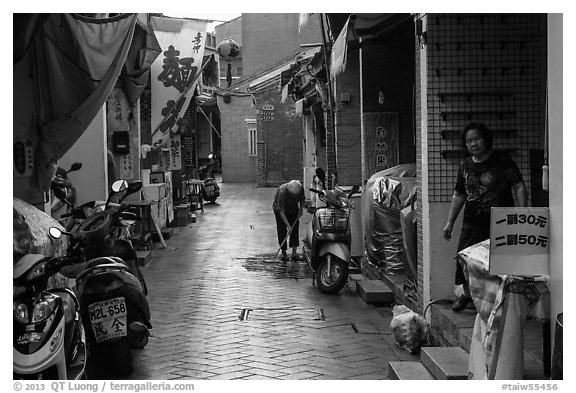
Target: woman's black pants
(282, 231)
(471, 234)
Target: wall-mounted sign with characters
(519, 241)
(267, 112)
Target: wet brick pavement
(222, 308)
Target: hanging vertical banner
(173, 79)
(339, 54)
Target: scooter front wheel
(332, 274)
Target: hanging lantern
(227, 50)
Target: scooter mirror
(133, 187)
(354, 190)
(210, 156)
(59, 193)
(54, 233)
(76, 166)
(119, 185)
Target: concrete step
(374, 292)
(144, 257)
(166, 234)
(354, 270)
(356, 277)
(445, 362)
(414, 371)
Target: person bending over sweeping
(288, 208)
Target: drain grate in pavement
(244, 314)
(288, 314)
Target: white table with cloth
(503, 304)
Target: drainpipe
(331, 160)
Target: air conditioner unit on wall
(344, 97)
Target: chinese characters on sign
(126, 165)
(173, 81)
(381, 147)
(519, 241)
(381, 142)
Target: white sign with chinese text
(519, 241)
(173, 79)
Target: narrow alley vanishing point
(222, 308)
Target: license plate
(108, 319)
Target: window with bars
(252, 140)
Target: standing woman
(485, 179)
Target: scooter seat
(100, 263)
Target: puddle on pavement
(276, 268)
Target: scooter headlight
(42, 310)
(20, 313)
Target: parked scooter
(49, 338)
(210, 190)
(112, 290)
(64, 193)
(327, 242)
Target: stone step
(144, 257)
(356, 277)
(445, 362)
(374, 291)
(353, 270)
(414, 371)
(166, 234)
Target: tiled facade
(479, 67)
(487, 68)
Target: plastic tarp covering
(30, 236)
(385, 194)
(409, 224)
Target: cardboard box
(520, 241)
(159, 213)
(154, 192)
(182, 215)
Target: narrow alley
(215, 269)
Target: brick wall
(273, 37)
(280, 138)
(347, 124)
(389, 66)
(237, 165)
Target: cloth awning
(352, 27)
(340, 48)
(77, 62)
